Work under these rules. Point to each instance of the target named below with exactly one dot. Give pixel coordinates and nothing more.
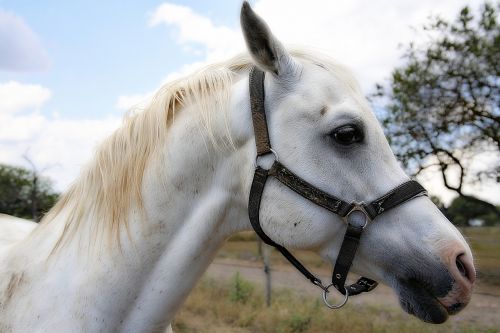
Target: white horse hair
(125, 245)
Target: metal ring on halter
(358, 207)
(335, 306)
(271, 151)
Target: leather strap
(308, 191)
(258, 183)
(346, 256)
(404, 192)
(344, 261)
(257, 98)
(256, 190)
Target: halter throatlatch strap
(356, 215)
(258, 183)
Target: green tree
(461, 211)
(442, 106)
(23, 193)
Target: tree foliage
(461, 211)
(23, 193)
(442, 107)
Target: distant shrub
(241, 289)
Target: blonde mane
(110, 185)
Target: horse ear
(265, 49)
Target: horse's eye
(347, 135)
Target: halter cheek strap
(355, 215)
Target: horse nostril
(466, 267)
(461, 267)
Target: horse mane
(110, 185)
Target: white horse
(123, 248)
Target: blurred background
(70, 70)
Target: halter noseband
(355, 215)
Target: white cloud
(20, 47)
(196, 34)
(193, 29)
(20, 128)
(65, 145)
(58, 145)
(15, 97)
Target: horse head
(324, 131)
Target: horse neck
(205, 202)
(193, 199)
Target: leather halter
(355, 215)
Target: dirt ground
(484, 307)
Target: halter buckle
(370, 284)
(353, 217)
(271, 151)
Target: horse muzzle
(434, 293)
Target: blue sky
(100, 49)
(70, 69)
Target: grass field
(238, 306)
(485, 243)
(244, 246)
(215, 306)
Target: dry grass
(212, 308)
(485, 243)
(244, 246)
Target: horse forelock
(111, 184)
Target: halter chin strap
(355, 215)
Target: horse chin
(416, 300)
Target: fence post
(265, 253)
